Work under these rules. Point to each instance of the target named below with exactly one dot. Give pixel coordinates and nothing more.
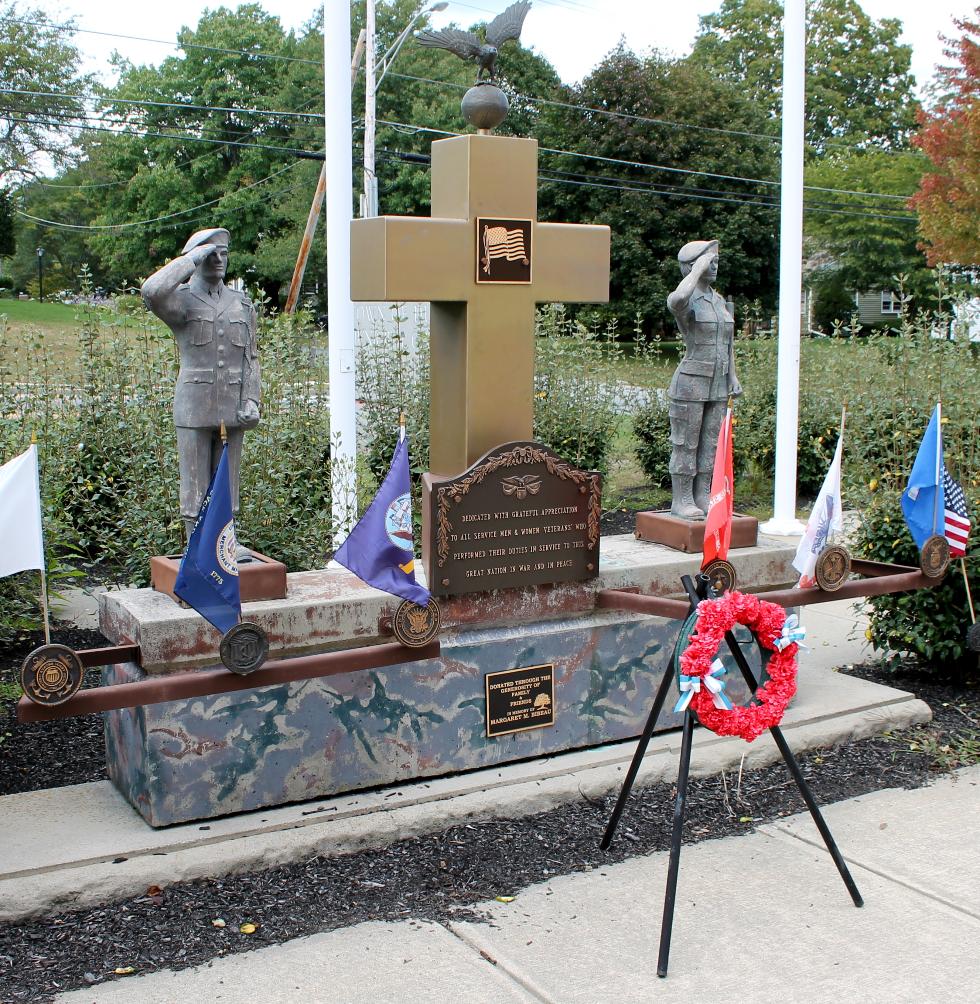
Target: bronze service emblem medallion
(244, 648)
(721, 576)
(934, 556)
(832, 568)
(415, 626)
(51, 674)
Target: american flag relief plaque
(503, 250)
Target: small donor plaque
(520, 699)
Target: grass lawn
(57, 326)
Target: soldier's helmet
(693, 250)
(213, 235)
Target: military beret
(213, 235)
(694, 249)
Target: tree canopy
(676, 163)
(859, 86)
(42, 68)
(948, 200)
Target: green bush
(928, 623)
(102, 414)
(651, 427)
(577, 398)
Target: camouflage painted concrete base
(210, 757)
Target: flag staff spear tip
(401, 426)
(45, 615)
(224, 435)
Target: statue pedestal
(211, 756)
(261, 578)
(687, 535)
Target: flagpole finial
(224, 435)
(34, 438)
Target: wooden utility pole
(321, 187)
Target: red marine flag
(718, 524)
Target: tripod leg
(673, 867)
(797, 774)
(641, 749)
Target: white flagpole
(44, 578)
(343, 422)
(939, 465)
(784, 519)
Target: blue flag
(920, 499)
(208, 576)
(381, 548)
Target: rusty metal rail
(877, 579)
(181, 686)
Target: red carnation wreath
(765, 620)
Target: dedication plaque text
(520, 699)
(519, 516)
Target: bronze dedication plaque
(519, 516)
(503, 250)
(520, 699)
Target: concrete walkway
(65, 848)
(759, 918)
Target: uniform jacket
(216, 339)
(708, 330)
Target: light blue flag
(381, 549)
(919, 500)
(208, 576)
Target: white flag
(825, 519)
(21, 540)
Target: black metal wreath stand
(695, 595)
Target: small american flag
(957, 527)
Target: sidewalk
(759, 918)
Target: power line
(160, 41)
(597, 111)
(184, 138)
(645, 166)
(157, 219)
(164, 104)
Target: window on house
(890, 303)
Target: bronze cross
(481, 333)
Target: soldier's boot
(702, 491)
(683, 504)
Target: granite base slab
(213, 756)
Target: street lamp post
(40, 274)
(374, 72)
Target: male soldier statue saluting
(219, 366)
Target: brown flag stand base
(695, 595)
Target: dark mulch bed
(442, 876)
(49, 754)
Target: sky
(573, 34)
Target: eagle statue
(466, 45)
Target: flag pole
(45, 615)
(401, 426)
(969, 595)
(939, 464)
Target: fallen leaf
(154, 890)
(505, 899)
(248, 928)
(745, 819)
(217, 922)
(124, 970)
